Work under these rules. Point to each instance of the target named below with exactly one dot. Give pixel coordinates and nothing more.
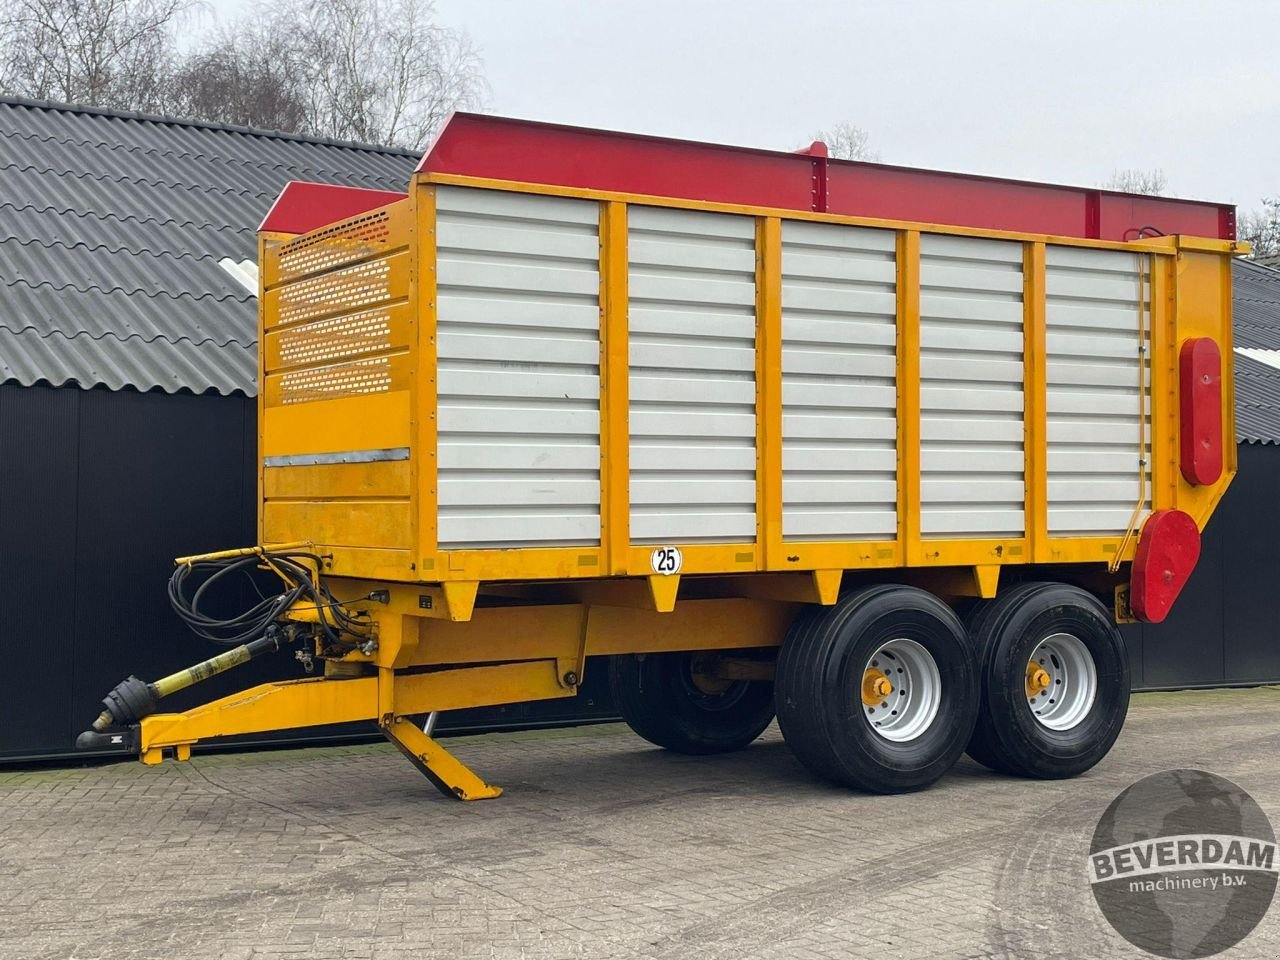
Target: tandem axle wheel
(886, 689)
(879, 691)
(1055, 681)
(687, 702)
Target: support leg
(449, 774)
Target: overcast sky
(1059, 91)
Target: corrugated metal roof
(1255, 292)
(1257, 401)
(112, 226)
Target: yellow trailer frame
(461, 628)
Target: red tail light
(1200, 397)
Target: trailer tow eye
(132, 699)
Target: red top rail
(303, 207)
(500, 148)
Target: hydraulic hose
(190, 585)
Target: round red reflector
(1167, 553)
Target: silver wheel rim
(1061, 682)
(909, 706)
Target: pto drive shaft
(134, 699)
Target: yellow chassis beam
(424, 662)
(305, 703)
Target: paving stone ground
(602, 847)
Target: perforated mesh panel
(337, 338)
(372, 375)
(336, 310)
(347, 289)
(362, 237)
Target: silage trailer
(885, 452)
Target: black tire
(657, 697)
(1008, 737)
(818, 689)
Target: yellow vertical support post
(908, 392)
(769, 392)
(1035, 472)
(615, 433)
(1226, 334)
(262, 373)
(1145, 391)
(423, 465)
(1164, 386)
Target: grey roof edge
(1253, 440)
(1257, 401)
(167, 366)
(52, 383)
(205, 125)
(1257, 441)
(1268, 267)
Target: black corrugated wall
(38, 483)
(1225, 627)
(99, 491)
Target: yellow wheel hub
(875, 687)
(1038, 680)
(704, 678)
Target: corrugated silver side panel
(692, 380)
(839, 403)
(971, 406)
(1091, 332)
(519, 377)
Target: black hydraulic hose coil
(300, 585)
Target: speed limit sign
(666, 560)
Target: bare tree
(379, 71)
(376, 71)
(1151, 182)
(244, 77)
(847, 141)
(110, 53)
(1262, 229)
